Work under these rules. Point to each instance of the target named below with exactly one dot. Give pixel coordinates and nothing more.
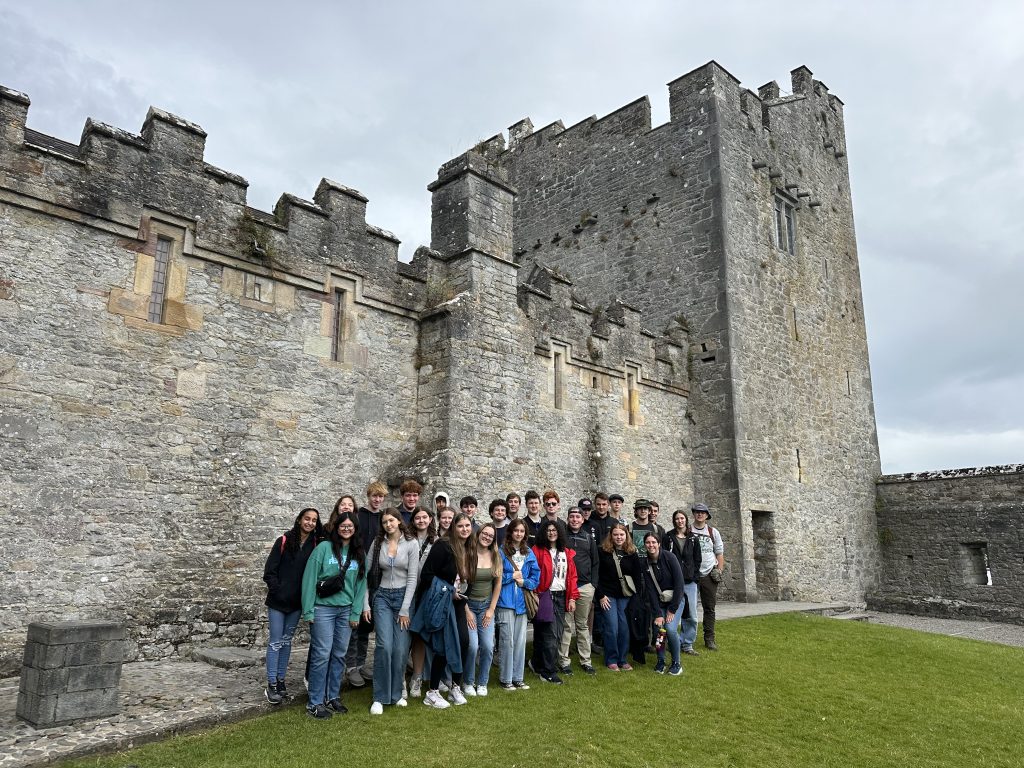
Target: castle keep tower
(734, 221)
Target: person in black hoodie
(664, 583)
(283, 575)
(681, 542)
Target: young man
(514, 502)
(533, 517)
(601, 520)
(580, 539)
(440, 503)
(712, 562)
(552, 504)
(616, 502)
(642, 524)
(359, 672)
(498, 510)
(468, 506)
(658, 528)
(410, 491)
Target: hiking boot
(415, 688)
(710, 644)
(376, 708)
(660, 667)
(319, 711)
(436, 700)
(690, 651)
(457, 697)
(337, 707)
(355, 678)
(271, 694)
(676, 669)
(281, 690)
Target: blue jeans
(392, 647)
(689, 621)
(279, 647)
(328, 638)
(673, 633)
(616, 631)
(512, 645)
(480, 652)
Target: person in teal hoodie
(333, 587)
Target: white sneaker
(435, 700)
(376, 708)
(402, 702)
(457, 698)
(416, 688)
(468, 690)
(481, 690)
(442, 687)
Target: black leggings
(440, 662)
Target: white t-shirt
(560, 567)
(710, 547)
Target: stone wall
(677, 222)
(952, 543)
(149, 459)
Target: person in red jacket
(558, 593)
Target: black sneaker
(566, 670)
(319, 711)
(282, 691)
(271, 694)
(588, 668)
(335, 705)
(552, 678)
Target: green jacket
(322, 565)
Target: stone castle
(672, 312)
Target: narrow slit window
(799, 467)
(849, 384)
(796, 327)
(633, 397)
(161, 270)
(559, 379)
(785, 224)
(338, 326)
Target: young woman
(344, 504)
(444, 522)
(483, 570)
(425, 533)
(617, 556)
(333, 586)
(557, 588)
(681, 542)
(283, 574)
(664, 594)
(447, 562)
(519, 572)
(394, 569)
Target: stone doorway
(766, 566)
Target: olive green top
(483, 584)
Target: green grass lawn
(786, 690)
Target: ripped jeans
(279, 647)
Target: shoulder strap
(654, 578)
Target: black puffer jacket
(283, 573)
(687, 552)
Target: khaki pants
(576, 624)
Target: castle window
(338, 326)
(785, 224)
(974, 558)
(161, 270)
(559, 380)
(259, 289)
(633, 398)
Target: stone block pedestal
(71, 671)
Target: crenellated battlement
(608, 339)
(114, 176)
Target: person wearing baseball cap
(711, 564)
(641, 524)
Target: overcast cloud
(378, 95)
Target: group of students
(441, 591)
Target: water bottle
(659, 643)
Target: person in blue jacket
(520, 571)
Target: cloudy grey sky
(378, 94)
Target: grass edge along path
(787, 690)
